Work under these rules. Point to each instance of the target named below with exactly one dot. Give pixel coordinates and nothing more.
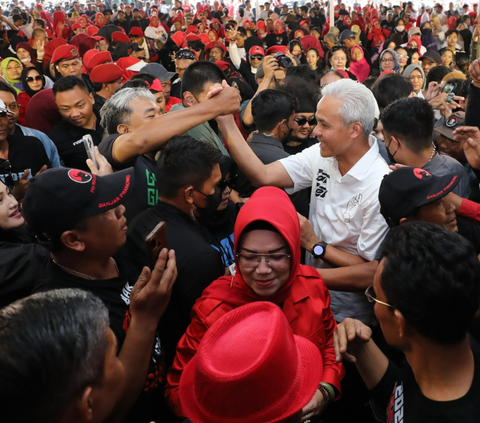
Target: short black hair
(8, 88)
(436, 287)
(198, 74)
(40, 22)
(306, 92)
(436, 74)
(304, 72)
(269, 107)
(184, 161)
(196, 45)
(68, 83)
(462, 60)
(451, 31)
(391, 87)
(304, 9)
(242, 31)
(411, 120)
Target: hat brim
(310, 370)
(443, 185)
(446, 132)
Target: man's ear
(91, 98)
(402, 325)
(123, 128)
(81, 408)
(357, 129)
(188, 194)
(72, 241)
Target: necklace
(434, 151)
(83, 275)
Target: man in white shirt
(345, 179)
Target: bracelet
(330, 389)
(326, 396)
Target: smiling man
(75, 104)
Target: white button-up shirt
(344, 211)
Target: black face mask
(212, 202)
(391, 156)
(426, 31)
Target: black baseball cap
(57, 199)
(408, 188)
(433, 56)
(345, 35)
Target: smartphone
(155, 242)
(449, 88)
(89, 148)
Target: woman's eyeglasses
(250, 261)
(34, 78)
(387, 59)
(224, 184)
(302, 121)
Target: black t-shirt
(68, 139)
(198, 264)
(24, 153)
(145, 193)
(397, 398)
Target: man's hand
(469, 136)
(474, 70)
(151, 293)
(440, 103)
(270, 65)
(433, 90)
(308, 238)
(232, 35)
(225, 99)
(350, 334)
(40, 49)
(314, 407)
(103, 168)
(22, 184)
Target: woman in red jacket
(267, 251)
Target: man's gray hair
(117, 109)
(358, 103)
(331, 36)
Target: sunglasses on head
(185, 54)
(302, 121)
(336, 48)
(33, 78)
(225, 183)
(256, 56)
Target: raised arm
(273, 174)
(154, 134)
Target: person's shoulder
(59, 128)
(26, 141)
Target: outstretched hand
(349, 334)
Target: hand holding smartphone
(155, 241)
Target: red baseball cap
(65, 52)
(215, 44)
(136, 32)
(250, 368)
(256, 50)
(98, 59)
(120, 37)
(105, 73)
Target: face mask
(426, 31)
(400, 28)
(391, 156)
(212, 203)
(28, 59)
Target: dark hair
(304, 9)
(462, 60)
(435, 286)
(391, 87)
(23, 78)
(370, 81)
(134, 83)
(68, 83)
(304, 72)
(411, 120)
(436, 74)
(269, 107)
(307, 93)
(411, 52)
(8, 88)
(198, 74)
(184, 161)
(52, 346)
(40, 22)
(196, 45)
(335, 49)
(450, 32)
(242, 31)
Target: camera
(283, 60)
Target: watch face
(318, 250)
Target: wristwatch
(318, 250)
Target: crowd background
(197, 115)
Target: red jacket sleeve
(470, 209)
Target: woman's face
(23, 54)
(14, 70)
(225, 194)
(413, 45)
(415, 58)
(100, 19)
(427, 25)
(155, 21)
(265, 279)
(392, 45)
(278, 26)
(416, 79)
(103, 45)
(34, 80)
(348, 21)
(338, 60)
(10, 217)
(402, 57)
(312, 58)
(296, 50)
(357, 54)
(388, 61)
(452, 39)
(212, 36)
(447, 58)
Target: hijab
(233, 289)
(396, 68)
(58, 18)
(42, 112)
(410, 68)
(360, 69)
(99, 24)
(152, 18)
(310, 41)
(427, 38)
(88, 43)
(15, 83)
(28, 48)
(277, 30)
(27, 88)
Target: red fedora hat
(250, 368)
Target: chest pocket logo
(351, 208)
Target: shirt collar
(360, 169)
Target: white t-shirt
(344, 211)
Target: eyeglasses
(370, 294)
(403, 56)
(224, 184)
(390, 59)
(412, 46)
(415, 77)
(34, 78)
(302, 121)
(337, 47)
(250, 261)
(256, 57)
(14, 67)
(13, 106)
(185, 54)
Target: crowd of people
(213, 213)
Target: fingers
(142, 279)
(26, 174)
